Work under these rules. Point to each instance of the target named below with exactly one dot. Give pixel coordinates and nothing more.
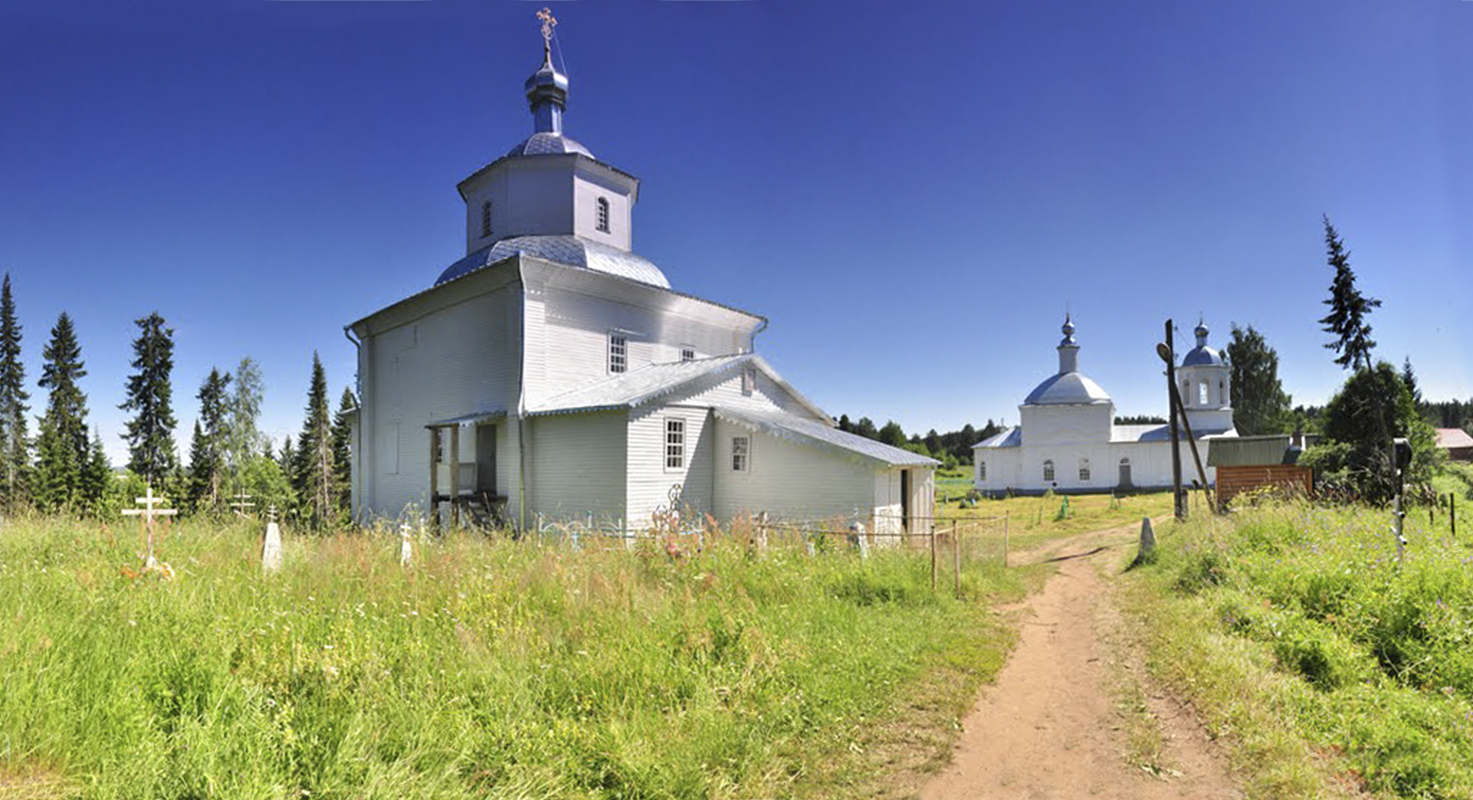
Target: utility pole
(1168, 354)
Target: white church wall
(587, 189)
(576, 465)
(457, 360)
(650, 480)
(788, 480)
(543, 190)
(1066, 424)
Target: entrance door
(486, 459)
(1125, 473)
(905, 500)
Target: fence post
(956, 560)
(1452, 513)
(1005, 538)
(933, 558)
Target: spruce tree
(287, 460)
(208, 446)
(1409, 377)
(15, 442)
(314, 462)
(1348, 308)
(150, 434)
(342, 449)
(97, 478)
(62, 447)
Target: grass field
(1329, 666)
(488, 669)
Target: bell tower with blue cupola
(1206, 387)
(549, 196)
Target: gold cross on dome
(548, 23)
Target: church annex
(553, 374)
(1067, 440)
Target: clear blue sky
(912, 193)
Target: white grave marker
(406, 548)
(271, 548)
(148, 512)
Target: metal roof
(655, 381)
(1202, 356)
(545, 143)
(467, 419)
(1066, 388)
(807, 431)
(564, 249)
(1009, 437)
(1252, 451)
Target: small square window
(674, 444)
(740, 453)
(618, 353)
(749, 381)
(687, 354)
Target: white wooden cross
(148, 512)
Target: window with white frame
(674, 443)
(1084, 469)
(602, 211)
(1202, 393)
(981, 470)
(618, 352)
(749, 381)
(485, 219)
(1048, 471)
(741, 453)
(687, 354)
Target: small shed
(1249, 463)
(1456, 443)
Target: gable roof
(656, 381)
(1007, 437)
(806, 431)
(1453, 438)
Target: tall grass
(487, 669)
(1299, 630)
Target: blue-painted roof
(572, 250)
(1066, 388)
(1202, 356)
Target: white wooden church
(554, 374)
(1067, 440)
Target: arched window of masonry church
(1202, 391)
(485, 219)
(1048, 470)
(1222, 395)
(1084, 469)
(981, 470)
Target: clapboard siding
(1288, 478)
(576, 465)
(459, 360)
(572, 338)
(650, 481)
(788, 480)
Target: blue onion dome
(1202, 355)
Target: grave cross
(148, 512)
(240, 503)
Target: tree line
(63, 469)
(952, 449)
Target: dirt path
(1050, 726)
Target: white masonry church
(1067, 440)
(554, 374)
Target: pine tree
(314, 462)
(15, 443)
(62, 448)
(287, 460)
(1260, 405)
(1348, 308)
(150, 434)
(207, 448)
(342, 449)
